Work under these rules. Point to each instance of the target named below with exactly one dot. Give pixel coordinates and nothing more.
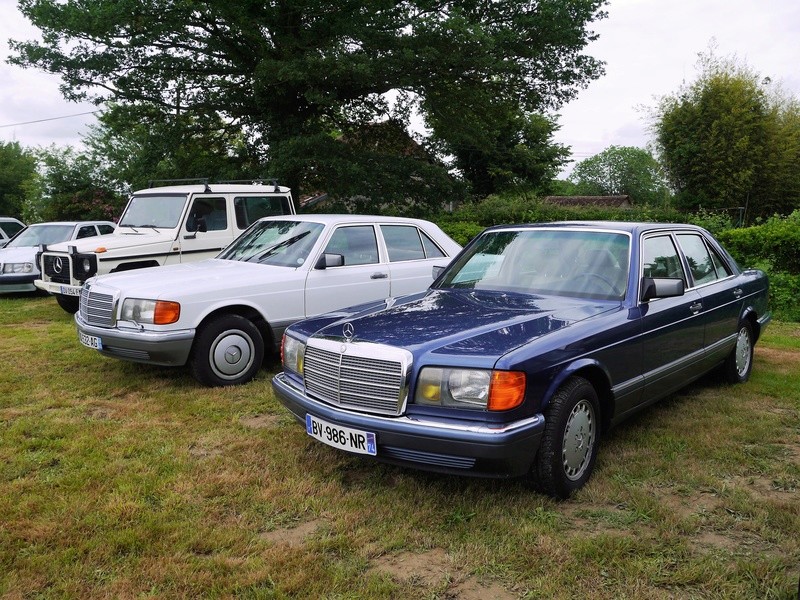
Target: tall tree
(622, 170)
(301, 77)
(17, 170)
(73, 186)
(729, 140)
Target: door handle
(738, 292)
(696, 307)
(379, 276)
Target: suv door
(208, 228)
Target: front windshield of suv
(41, 234)
(153, 211)
(560, 262)
(280, 243)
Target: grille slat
(96, 308)
(355, 378)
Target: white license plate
(344, 438)
(70, 291)
(91, 341)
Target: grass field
(125, 481)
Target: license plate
(344, 438)
(70, 291)
(91, 341)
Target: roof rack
(202, 180)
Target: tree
(299, 77)
(730, 139)
(17, 170)
(74, 187)
(137, 144)
(621, 170)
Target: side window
(207, 214)
(431, 249)
(356, 243)
(86, 231)
(660, 258)
(701, 265)
(403, 242)
(105, 229)
(10, 228)
(249, 209)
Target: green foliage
(731, 139)
(136, 144)
(461, 231)
(282, 73)
(73, 186)
(622, 170)
(17, 173)
(776, 241)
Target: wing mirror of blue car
(661, 287)
(329, 260)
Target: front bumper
(58, 288)
(17, 283)
(167, 348)
(444, 446)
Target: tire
(739, 363)
(571, 437)
(228, 350)
(68, 303)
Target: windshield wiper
(273, 249)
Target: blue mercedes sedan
(526, 349)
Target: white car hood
(175, 282)
(121, 238)
(18, 255)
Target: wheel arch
(133, 265)
(750, 315)
(249, 313)
(597, 375)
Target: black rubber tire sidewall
(732, 374)
(68, 303)
(200, 363)
(548, 471)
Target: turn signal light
(166, 312)
(507, 390)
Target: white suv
(161, 226)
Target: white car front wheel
(228, 350)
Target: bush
(776, 241)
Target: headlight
(479, 389)
(156, 312)
(25, 267)
(292, 354)
(87, 265)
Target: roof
(344, 218)
(623, 226)
(215, 188)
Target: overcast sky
(650, 48)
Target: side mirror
(661, 287)
(437, 270)
(329, 260)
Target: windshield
(281, 243)
(41, 234)
(153, 211)
(560, 262)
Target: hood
(123, 237)
(18, 255)
(174, 282)
(468, 322)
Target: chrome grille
(96, 308)
(58, 267)
(355, 378)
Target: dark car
(533, 342)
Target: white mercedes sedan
(220, 316)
